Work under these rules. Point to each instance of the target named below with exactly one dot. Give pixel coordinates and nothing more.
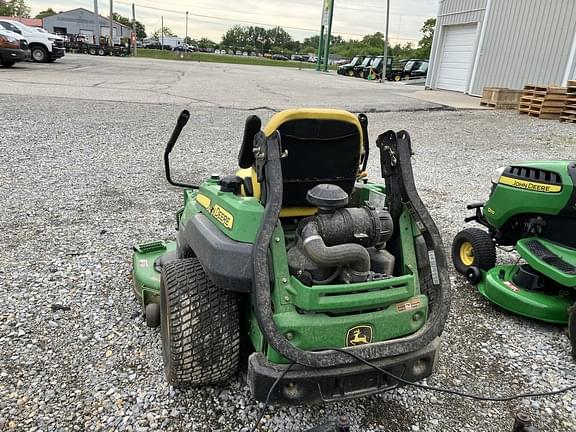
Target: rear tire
(473, 247)
(8, 63)
(39, 54)
(200, 326)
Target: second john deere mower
(532, 208)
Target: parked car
(13, 48)
(44, 47)
(348, 68)
(279, 57)
(413, 68)
(359, 69)
(374, 69)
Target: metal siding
(80, 19)
(527, 41)
(451, 12)
(471, 11)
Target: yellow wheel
(473, 247)
(467, 253)
(397, 78)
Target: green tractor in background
(532, 207)
(300, 263)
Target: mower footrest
(556, 261)
(549, 257)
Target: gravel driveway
(81, 181)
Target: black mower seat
(322, 145)
(549, 258)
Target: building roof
(32, 22)
(88, 12)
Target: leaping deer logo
(359, 335)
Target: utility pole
(96, 24)
(186, 38)
(134, 27)
(111, 24)
(162, 30)
(385, 65)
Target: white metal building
(502, 43)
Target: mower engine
(341, 245)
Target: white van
(44, 47)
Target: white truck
(166, 41)
(44, 47)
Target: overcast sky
(301, 18)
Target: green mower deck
(497, 286)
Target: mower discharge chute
(532, 207)
(295, 254)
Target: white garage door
(456, 57)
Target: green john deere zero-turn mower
(295, 254)
(532, 207)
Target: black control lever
(180, 123)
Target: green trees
(17, 8)
(254, 38)
(46, 13)
(139, 27)
(157, 35)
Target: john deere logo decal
(359, 335)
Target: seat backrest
(322, 146)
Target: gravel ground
(81, 182)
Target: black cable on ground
(413, 384)
(267, 402)
(455, 392)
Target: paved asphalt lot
(81, 180)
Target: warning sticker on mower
(433, 267)
(408, 306)
(511, 286)
(528, 185)
(203, 200)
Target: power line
(250, 22)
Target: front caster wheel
(473, 247)
(152, 313)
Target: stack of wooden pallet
(569, 113)
(526, 99)
(548, 102)
(500, 98)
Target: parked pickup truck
(374, 69)
(348, 68)
(13, 48)
(359, 69)
(44, 47)
(410, 69)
